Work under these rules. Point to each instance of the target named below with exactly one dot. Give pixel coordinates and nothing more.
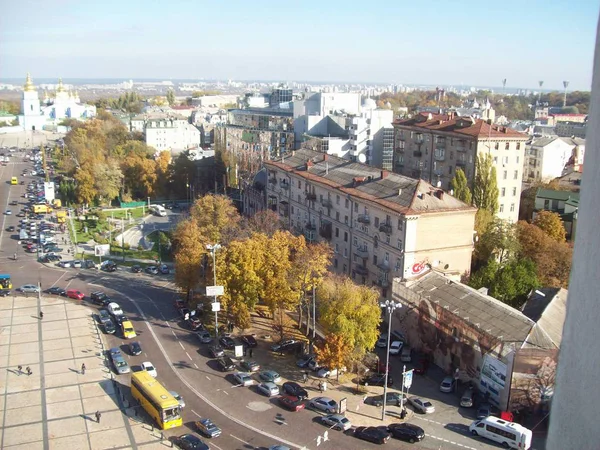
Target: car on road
(152, 270)
(382, 341)
(249, 340)
(204, 337)
(55, 290)
(75, 294)
(118, 361)
(392, 399)
(324, 404)
(29, 289)
(485, 410)
(421, 405)
(468, 398)
(103, 316)
(226, 364)
(250, 366)
(164, 269)
(135, 348)
(336, 421)
(179, 398)
(215, 351)
(268, 388)
(281, 346)
(10, 229)
(64, 264)
(207, 428)
(149, 367)
(190, 442)
(295, 390)
(377, 379)
(406, 432)
(270, 376)
(8, 212)
(77, 263)
(127, 329)
(14, 203)
(136, 268)
(243, 378)
(227, 342)
(100, 298)
(290, 402)
(447, 385)
(108, 266)
(372, 434)
(114, 309)
(396, 347)
(109, 327)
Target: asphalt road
(249, 420)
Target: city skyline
(474, 45)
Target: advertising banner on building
(492, 379)
(49, 191)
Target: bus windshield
(5, 282)
(171, 413)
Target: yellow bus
(156, 400)
(14, 180)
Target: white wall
(555, 157)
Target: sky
(472, 43)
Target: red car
(291, 403)
(75, 294)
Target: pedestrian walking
(250, 352)
(20, 369)
(83, 369)
(15, 257)
(41, 314)
(98, 415)
(320, 386)
(305, 377)
(324, 386)
(28, 370)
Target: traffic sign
(216, 307)
(408, 378)
(213, 291)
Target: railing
(383, 282)
(361, 252)
(386, 228)
(461, 162)
(417, 153)
(419, 138)
(384, 266)
(284, 185)
(440, 156)
(440, 143)
(364, 218)
(327, 203)
(310, 226)
(311, 196)
(361, 270)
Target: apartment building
(432, 146)
(381, 225)
(546, 158)
(171, 133)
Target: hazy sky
(401, 41)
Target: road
(248, 419)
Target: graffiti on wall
(533, 377)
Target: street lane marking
(196, 366)
(215, 446)
(168, 324)
(451, 442)
(196, 413)
(207, 377)
(241, 440)
(188, 355)
(174, 334)
(182, 347)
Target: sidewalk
(55, 406)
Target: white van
(508, 434)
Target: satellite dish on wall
(362, 158)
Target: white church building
(64, 104)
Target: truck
(57, 203)
(61, 216)
(158, 210)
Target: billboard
(102, 250)
(492, 379)
(49, 191)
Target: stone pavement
(55, 406)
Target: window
(299, 201)
(345, 268)
(387, 257)
(387, 239)
(495, 160)
(374, 260)
(517, 160)
(400, 224)
(512, 207)
(335, 263)
(337, 232)
(355, 207)
(400, 244)
(376, 222)
(514, 192)
(516, 174)
(450, 170)
(398, 265)
(497, 145)
(337, 248)
(504, 175)
(518, 148)
(346, 220)
(345, 253)
(299, 184)
(451, 154)
(337, 199)
(506, 160)
(347, 203)
(337, 216)
(503, 192)
(501, 208)
(355, 241)
(507, 146)
(345, 236)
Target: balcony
(364, 218)
(440, 155)
(385, 228)
(284, 209)
(383, 282)
(417, 153)
(273, 180)
(400, 150)
(461, 162)
(309, 235)
(327, 203)
(384, 266)
(325, 230)
(361, 270)
(311, 196)
(419, 138)
(399, 163)
(461, 148)
(361, 252)
(440, 143)
(310, 226)
(284, 185)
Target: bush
(126, 246)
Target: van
(406, 354)
(23, 234)
(508, 434)
(14, 180)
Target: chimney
(309, 164)
(399, 192)
(325, 157)
(384, 174)
(440, 194)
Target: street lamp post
(391, 306)
(213, 249)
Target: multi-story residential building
(565, 203)
(571, 129)
(171, 133)
(546, 158)
(381, 225)
(432, 147)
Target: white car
(382, 342)
(8, 212)
(114, 309)
(149, 367)
(447, 384)
(337, 422)
(243, 378)
(396, 347)
(420, 405)
(269, 389)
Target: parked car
(100, 298)
(304, 361)
(164, 269)
(204, 337)
(64, 264)
(75, 294)
(29, 289)
(377, 379)
(422, 406)
(225, 364)
(55, 290)
(372, 434)
(109, 327)
(190, 442)
(406, 432)
(149, 367)
(104, 316)
(337, 422)
(290, 402)
(10, 229)
(468, 398)
(326, 372)
(179, 398)
(392, 399)
(89, 264)
(136, 268)
(250, 366)
(270, 376)
(135, 348)
(118, 361)
(406, 354)
(268, 388)
(243, 378)
(215, 351)
(295, 390)
(249, 340)
(227, 342)
(108, 266)
(279, 347)
(114, 309)
(485, 410)
(152, 270)
(381, 342)
(77, 264)
(447, 384)
(208, 428)
(324, 404)
(396, 347)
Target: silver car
(243, 378)
(324, 404)
(179, 398)
(204, 337)
(29, 288)
(118, 361)
(337, 422)
(421, 405)
(269, 389)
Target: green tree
(333, 353)
(551, 224)
(85, 192)
(349, 310)
(460, 186)
(217, 219)
(485, 184)
(499, 241)
(188, 253)
(171, 97)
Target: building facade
(432, 147)
(173, 133)
(380, 225)
(571, 129)
(546, 158)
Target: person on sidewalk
(305, 377)
(41, 315)
(98, 416)
(28, 370)
(20, 369)
(321, 387)
(324, 386)
(250, 352)
(83, 369)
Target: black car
(109, 266)
(109, 327)
(135, 348)
(122, 318)
(377, 379)
(407, 432)
(225, 364)
(53, 257)
(55, 290)
(10, 229)
(100, 298)
(282, 345)
(392, 399)
(295, 390)
(136, 269)
(372, 434)
(227, 342)
(249, 341)
(215, 351)
(190, 442)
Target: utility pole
(390, 306)
(216, 306)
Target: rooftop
(389, 190)
(466, 126)
(264, 111)
(551, 194)
(548, 308)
